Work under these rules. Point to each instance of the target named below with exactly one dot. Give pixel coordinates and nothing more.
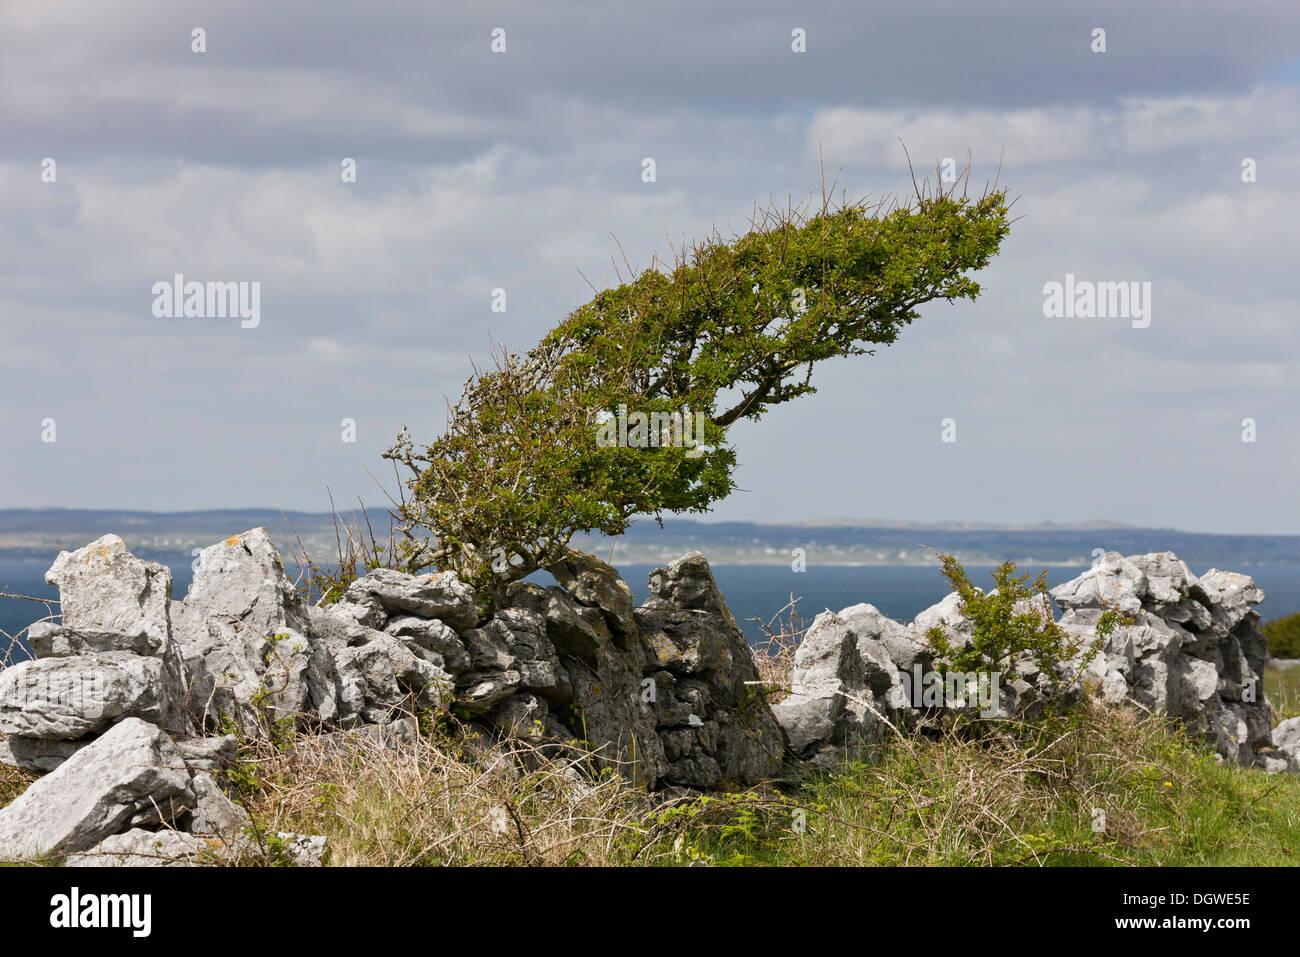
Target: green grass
(1032, 801)
(1282, 685)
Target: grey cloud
(479, 171)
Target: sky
(522, 171)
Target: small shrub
(1283, 636)
(1013, 620)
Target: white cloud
(475, 174)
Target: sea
(757, 594)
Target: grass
(1097, 787)
(1102, 787)
(442, 800)
(13, 782)
(1282, 685)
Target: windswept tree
(622, 410)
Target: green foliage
(1283, 636)
(1012, 620)
(1098, 786)
(729, 329)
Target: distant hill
(42, 533)
(959, 526)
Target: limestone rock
(838, 693)
(1194, 650)
(246, 636)
(304, 850)
(689, 633)
(383, 679)
(575, 630)
(67, 698)
(112, 601)
(1113, 582)
(1286, 738)
(37, 754)
(104, 588)
(598, 697)
(598, 585)
(511, 652)
(142, 848)
(213, 813)
(48, 640)
(132, 774)
(208, 754)
(435, 636)
(945, 615)
(365, 610)
(439, 595)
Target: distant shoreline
(40, 534)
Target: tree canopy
(622, 410)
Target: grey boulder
(67, 698)
(383, 678)
(131, 775)
(1286, 739)
(597, 584)
(139, 847)
(104, 588)
(213, 812)
(208, 754)
(843, 683)
(113, 602)
(434, 636)
(246, 637)
(710, 709)
(439, 595)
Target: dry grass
(13, 782)
(440, 801)
(775, 657)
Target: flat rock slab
(49, 640)
(132, 774)
(68, 698)
(141, 848)
(35, 754)
(440, 595)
